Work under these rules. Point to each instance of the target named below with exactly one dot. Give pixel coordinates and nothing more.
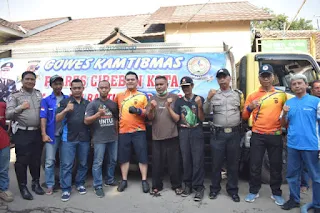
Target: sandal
(178, 191)
(155, 193)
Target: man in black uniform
(7, 86)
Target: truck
(92, 63)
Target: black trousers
(28, 147)
(162, 151)
(225, 146)
(192, 151)
(259, 144)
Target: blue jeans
(51, 150)
(99, 153)
(4, 168)
(304, 177)
(296, 160)
(69, 150)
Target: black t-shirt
(188, 111)
(74, 129)
(104, 128)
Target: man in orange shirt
(132, 110)
(265, 106)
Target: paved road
(134, 201)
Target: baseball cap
(266, 68)
(54, 78)
(222, 71)
(186, 81)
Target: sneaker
(145, 186)
(65, 196)
(122, 186)
(99, 192)
(186, 191)
(251, 197)
(82, 190)
(278, 200)
(199, 195)
(290, 204)
(114, 183)
(6, 196)
(49, 191)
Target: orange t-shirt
(131, 122)
(266, 117)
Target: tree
(281, 21)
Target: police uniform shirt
(28, 117)
(225, 106)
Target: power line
(8, 9)
(186, 23)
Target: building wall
(234, 33)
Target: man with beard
(102, 114)
(50, 129)
(165, 144)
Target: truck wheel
(265, 170)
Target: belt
(28, 128)
(227, 129)
(186, 126)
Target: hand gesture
(25, 105)
(101, 111)
(254, 104)
(198, 101)
(46, 139)
(153, 104)
(70, 106)
(211, 93)
(169, 102)
(286, 109)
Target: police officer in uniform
(23, 109)
(7, 86)
(225, 104)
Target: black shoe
(290, 204)
(213, 195)
(37, 188)
(235, 198)
(122, 186)
(145, 186)
(186, 191)
(199, 195)
(25, 192)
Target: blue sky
(16, 10)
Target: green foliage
(281, 21)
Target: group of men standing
(70, 123)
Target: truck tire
(265, 170)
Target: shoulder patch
(37, 90)
(238, 91)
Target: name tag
(50, 108)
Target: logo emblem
(198, 66)
(265, 67)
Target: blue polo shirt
(303, 118)
(48, 111)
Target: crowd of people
(72, 123)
